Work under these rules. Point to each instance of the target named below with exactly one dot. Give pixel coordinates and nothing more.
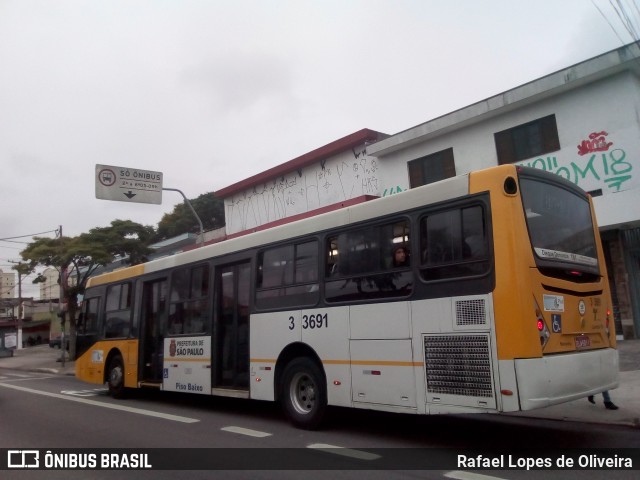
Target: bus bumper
(565, 377)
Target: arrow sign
(125, 184)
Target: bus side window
(188, 300)
(453, 244)
(359, 263)
(118, 311)
(88, 322)
(288, 276)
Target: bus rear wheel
(304, 393)
(115, 377)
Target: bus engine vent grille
(470, 312)
(458, 365)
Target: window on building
(527, 140)
(288, 276)
(118, 311)
(188, 302)
(432, 168)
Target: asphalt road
(53, 411)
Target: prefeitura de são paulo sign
(128, 184)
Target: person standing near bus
(608, 404)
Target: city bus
(498, 302)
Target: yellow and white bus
(497, 302)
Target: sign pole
(186, 200)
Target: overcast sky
(211, 92)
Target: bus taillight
(543, 331)
(608, 320)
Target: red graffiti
(596, 143)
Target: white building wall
(50, 289)
(345, 176)
(610, 105)
(7, 284)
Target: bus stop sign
(128, 184)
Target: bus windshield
(560, 225)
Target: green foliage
(23, 268)
(124, 238)
(79, 257)
(181, 220)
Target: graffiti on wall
(599, 165)
(349, 176)
(596, 143)
(393, 190)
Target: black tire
(115, 377)
(304, 393)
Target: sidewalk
(41, 358)
(44, 359)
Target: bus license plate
(583, 342)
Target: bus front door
(154, 326)
(231, 327)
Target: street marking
(345, 452)
(246, 431)
(19, 375)
(86, 393)
(139, 411)
(23, 379)
(459, 475)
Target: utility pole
(61, 312)
(22, 269)
(19, 309)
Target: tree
(181, 220)
(79, 257)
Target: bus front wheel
(115, 377)
(304, 393)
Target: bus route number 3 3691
(311, 321)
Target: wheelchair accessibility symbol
(556, 323)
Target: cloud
(238, 82)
